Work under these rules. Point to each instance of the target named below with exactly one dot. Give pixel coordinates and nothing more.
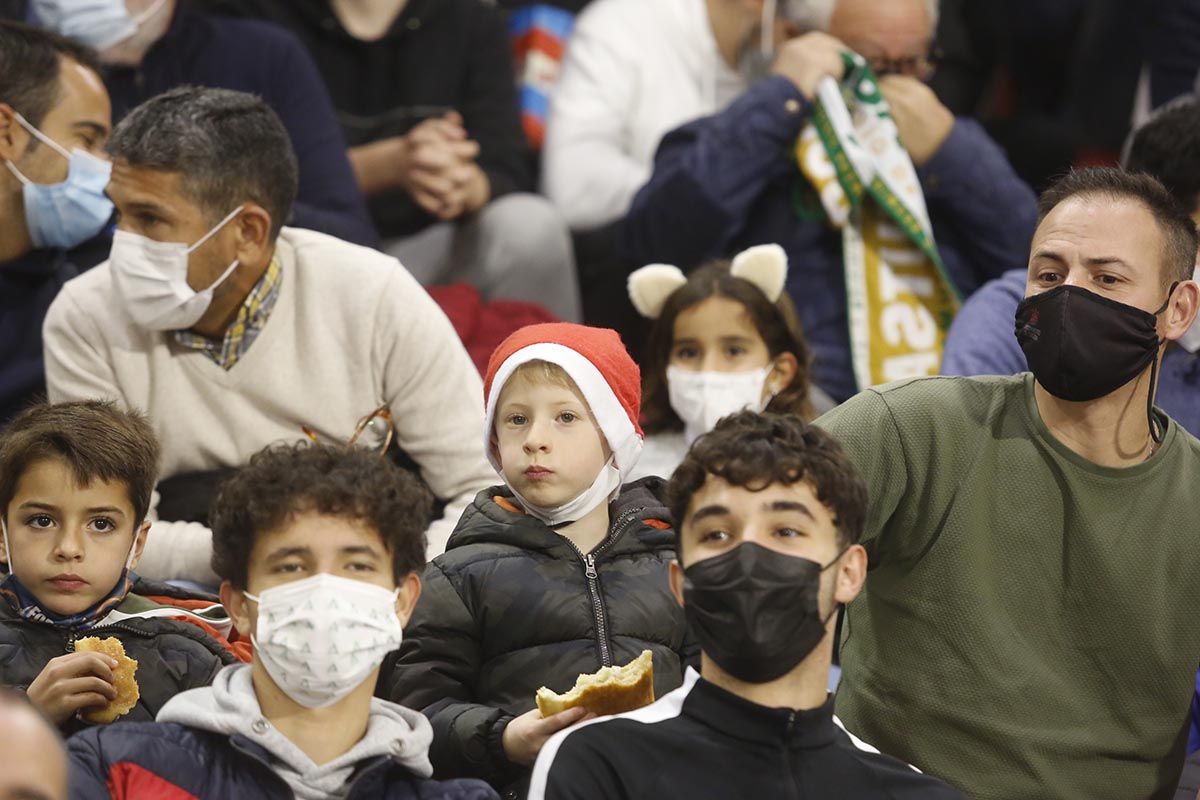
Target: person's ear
(406, 600)
(139, 543)
(851, 572)
(14, 139)
(238, 608)
(783, 372)
(252, 230)
(1185, 302)
(675, 577)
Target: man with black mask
(768, 514)
(1028, 627)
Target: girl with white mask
(724, 339)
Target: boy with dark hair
(318, 548)
(561, 571)
(75, 484)
(768, 513)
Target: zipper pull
(589, 563)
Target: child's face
(551, 449)
(69, 543)
(717, 335)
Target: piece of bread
(127, 688)
(610, 690)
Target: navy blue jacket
(210, 50)
(167, 761)
(27, 287)
(725, 182)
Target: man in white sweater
(232, 332)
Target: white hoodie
(634, 70)
(230, 706)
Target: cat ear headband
(763, 265)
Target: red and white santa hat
(596, 360)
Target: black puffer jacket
(172, 656)
(512, 606)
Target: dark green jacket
(510, 607)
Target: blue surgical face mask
(65, 214)
(100, 24)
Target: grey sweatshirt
(230, 706)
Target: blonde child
(558, 572)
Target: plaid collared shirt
(251, 318)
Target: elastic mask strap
(43, 138)
(766, 42)
(1156, 433)
(836, 605)
(141, 18)
(7, 546)
(218, 227)
(1167, 302)
(13, 169)
(224, 275)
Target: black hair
(284, 480)
(1176, 227)
(754, 451)
(1167, 147)
(30, 65)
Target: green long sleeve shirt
(1030, 623)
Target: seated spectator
(54, 121)
(634, 70)
(758, 172)
(319, 550)
(724, 339)
(769, 513)
(75, 482)
(426, 94)
(561, 571)
(33, 761)
(152, 46)
(1029, 536)
(231, 332)
(981, 341)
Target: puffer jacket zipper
(116, 626)
(599, 612)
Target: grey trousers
(515, 248)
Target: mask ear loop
(7, 547)
(1157, 432)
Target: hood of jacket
(230, 707)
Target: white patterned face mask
(319, 638)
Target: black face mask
(755, 612)
(1081, 346)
